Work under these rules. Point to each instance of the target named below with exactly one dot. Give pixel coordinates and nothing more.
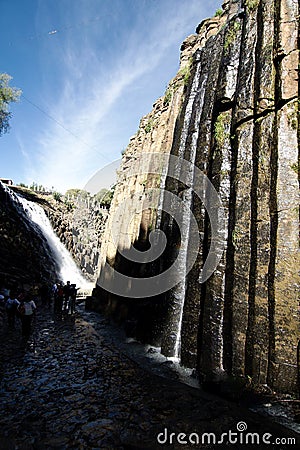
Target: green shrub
(252, 4)
(168, 96)
(220, 132)
(231, 35)
(219, 12)
(149, 126)
(57, 196)
(295, 168)
(185, 72)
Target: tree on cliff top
(7, 95)
(75, 193)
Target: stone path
(71, 387)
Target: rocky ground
(71, 386)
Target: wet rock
(46, 402)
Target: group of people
(64, 297)
(20, 304)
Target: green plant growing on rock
(252, 4)
(292, 116)
(236, 236)
(185, 72)
(57, 196)
(219, 12)
(150, 228)
(149, 126)
(220, 133)
(295, 168)
(168, 96)
(230, 36)
(107, 198)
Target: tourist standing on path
(54, 291)
(73, 293)
(67, 291)
(27, 311)
(58, 299)
(11, 307)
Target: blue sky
(89, 70)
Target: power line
(64, 128)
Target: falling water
(178, 293)
(67, 267)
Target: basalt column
(249, 147)
(232, 111)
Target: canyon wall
(80, 226)
(25, 256)
(233, 111)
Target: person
(54, 290)
(58, 300)
(5, 292)
(27, 309)
(66, 289)
(73, 293)
(11, 307)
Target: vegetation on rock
(252, 4)
(230, 36)
(7, 95)
(220, 132)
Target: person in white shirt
(27, 310)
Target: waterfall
(68, 270)
(178, 292)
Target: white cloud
(92, 81)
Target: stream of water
(68, 270)
(178, 293)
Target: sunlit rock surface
(244, 321)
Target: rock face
(232, 110)
(78, 224)
(80, 228)
(25, 256)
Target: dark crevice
(284, 101)
(204, 337)
(298, 136)
(250, 333)
(298, 119)
(229, 269)
(205, 251)
(273, 251)
(257, 116)
(273, 208)
(223, 106)
(227, 333)
(254, 117)
(256, 143)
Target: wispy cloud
(92, 81)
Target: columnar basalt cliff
(232, 110)
(79, 226)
